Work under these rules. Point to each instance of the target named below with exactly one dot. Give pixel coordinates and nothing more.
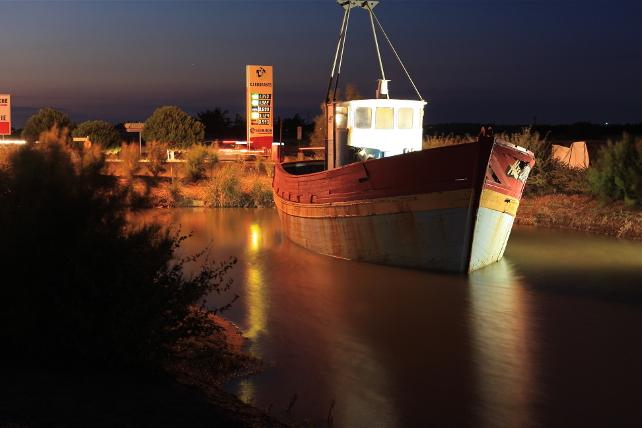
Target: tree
(174, 127)
(99, 132)
(318, 135)
(91, 289)
(217, 123)
(44, 120)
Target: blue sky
(475, 61)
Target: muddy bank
(581, 213)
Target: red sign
(5, 114)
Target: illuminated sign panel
(5, 114)
(134, 126)
(260, 106)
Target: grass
(234, 186)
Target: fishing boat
(378, 197)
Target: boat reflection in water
(513, 344)
(500, 317)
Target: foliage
(434, 141)
(264, 166)
(90, 289)
(156, 155)
(617, 173)
(172, 126)
(130, 157)
(317, 139)
(261, 194)
(233, 187)
(44, 120)
(195, 159)
(548, 175)
(216, 122)
(224, 189)
(99, 132)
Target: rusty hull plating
(449, 208)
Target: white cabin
(372, 129)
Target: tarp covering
(575, 156)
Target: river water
(549, 336)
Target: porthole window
(384, 118)
(363, 118)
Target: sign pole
(140, 143)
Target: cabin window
(404, 118)
(363, 118)
(384, 118)
(341, 117)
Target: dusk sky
(496, 61)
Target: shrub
(130, 157)
(172, 126)
(99, 132)
(434, 141)
(617, 173)
(224, 189)
(195, 160)
(90, 289)
(261, 194)
(548, 175)
(156, 154)
(44, 120)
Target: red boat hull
(424, 209)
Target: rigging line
(374, 35)
(398, 58)
(336, 54)
(343, 45)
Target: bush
(617, 173)
(224, 189)
(172, 126)
(434, 141)
(88, 288)
(130, 157)
(548, 175)
(261, 194)
(99, 132)
(195, 160)
(157, 155)
(264, 166)
(45, 120)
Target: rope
(374, 35)
(396, 54)
(343, 45)
(336, 54)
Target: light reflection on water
(547, 337)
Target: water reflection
(504, 346)
(257, 304)
(529, 341)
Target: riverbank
(571, 212)
(581, 213)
